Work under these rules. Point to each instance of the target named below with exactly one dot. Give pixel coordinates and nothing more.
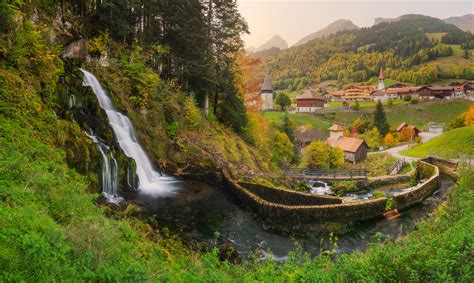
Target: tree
(389, 140)
(390, 103)
(316, 156)
(282, 149)
(466, 54)
(356, 106)
(283, 101)
(372, 138)
(288, 127)
(380, 120)
(319, 155)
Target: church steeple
(381, 82)
(266, 93)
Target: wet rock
(76, 50)
(227, 252)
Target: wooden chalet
(310, 101)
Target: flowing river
(198, 211)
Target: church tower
(266, 93)
(381, 83)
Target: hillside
(466, 22)
(275, 42)
(402, 47)
(449, 145)
(332, 28)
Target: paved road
(395, 151)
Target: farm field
(448, 145)
(366, 104)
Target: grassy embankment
(449, 145)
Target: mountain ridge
(332, 28)
(275, 42)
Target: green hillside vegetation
(402, 47)
(448, 145)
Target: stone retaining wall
(445, 166)
(288, 197)
(402, 201)
(294, 210)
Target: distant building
(355, 150)
(381, 82)
(305, 137)
(416, 131)
(310, 101)
(352, 93)
(266, 93)
(379, 95)
(336, 131)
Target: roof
(347, 144)
(402, 125)
(367, 87)
(402, 89)
(310, 135)
(337, 128)
(377, 93)
(267, 84)
(310, 94)
(441, 87)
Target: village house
(355, 150)
(416, 131)
(310, 101)
(304, 137)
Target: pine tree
(380, 120)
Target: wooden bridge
(327, 175)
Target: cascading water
(109, 170)
(149, 180)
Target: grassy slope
(299, 119)
(418, 114)
(448, 145)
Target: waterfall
(72, 101)
(109, 170)
(150, 180)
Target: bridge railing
(397, 165)
(334, 173)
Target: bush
(414, 101)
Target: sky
(294, 19)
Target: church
(266, 94)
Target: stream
(198, 211)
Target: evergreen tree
(380, 120)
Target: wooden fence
(327, 174)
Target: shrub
(407, 98)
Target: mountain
(466, 22)
(332, 28)
(401, 46)
(275, 42)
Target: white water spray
(150, 180)
(109, 171)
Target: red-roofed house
(310, 101)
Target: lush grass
(299, 119)
(449, 144)
(418, 114)
(366, 104)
